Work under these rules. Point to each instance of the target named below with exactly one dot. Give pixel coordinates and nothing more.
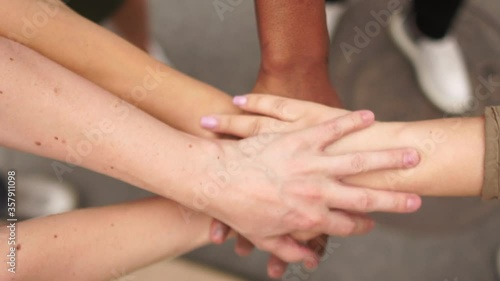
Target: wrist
(288, 63)
(180, 176)
(298, 80)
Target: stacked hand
(312, 198)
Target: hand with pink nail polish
(445, 167)
(285, 187)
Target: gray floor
(449, 239)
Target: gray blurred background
(449, 239)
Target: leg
(435, 54)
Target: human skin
(294, 45)
(86, 49)
(449, 167)
(50, 111)
(301, 71)
(452, 149)
(101, 243)
(112, 63)
(117, 66)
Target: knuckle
(310, 221)
(256, 128)
(335, 129)
(255, 100)
(279, 106)
(226, 124)
(308, 192)
(399, 203)
(358, 163)
(347, 229)
(261, 245)
(313, 193)
(355, 120)
(365, 202)
(395, 159)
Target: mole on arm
(38, 143)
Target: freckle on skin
(38, 143)
(112, 168)
(55, 236)
(112, 225)
(190, 145)
(63, 141)
(56, 138)
(11, 59)
(18, 247)
(1, 92)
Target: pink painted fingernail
(411, 158)
(367, 116)
(209, 122)
(240, 100)
(413, 203)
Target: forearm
(102, 243)
(292, 32)
(294, 46)
(112, 63)
(49, 111)
(452, 155)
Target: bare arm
(452, 149)
(452, 156)
(112, 63)
(295, 47)
(101, 243)
(49, 111)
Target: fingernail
(310, 263)
(367, 116)
(411, 158)
(277, 269)
(240, 100)
(413, 203)
(218, 234)
(209, 122)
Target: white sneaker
(334, 12)
(39, 195)
(439, 66)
